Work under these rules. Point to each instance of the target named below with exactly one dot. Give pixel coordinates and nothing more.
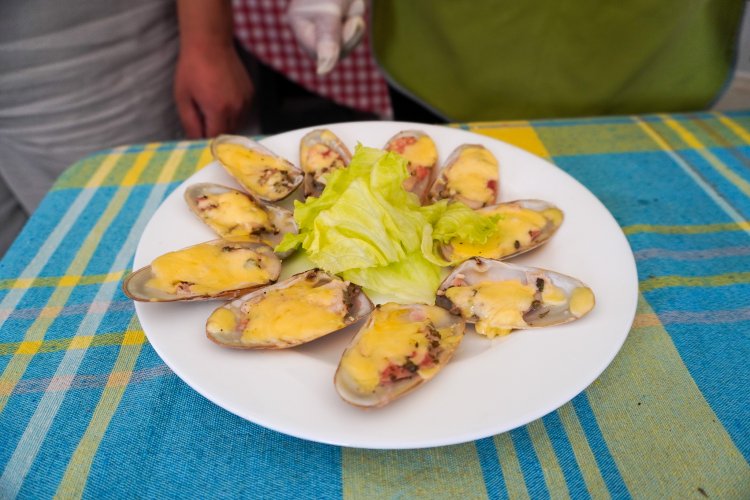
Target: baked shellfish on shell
(399, 348)
(297, 310)
(234, 214)
(219, 269)
(421, 155)
(320, 153)
(523, 225)
(261, 172)
(499, 297)
(469, 175)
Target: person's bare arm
(211, 88)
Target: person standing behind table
(493, 60)
(77, 77)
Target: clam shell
(267, 184)
(280, 220)
(543, 313)
(502, 247)
(402, 374)
(442, 188)
(314, 182)
(355, 305)
(420, 176)
(136, 285)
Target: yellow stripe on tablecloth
(60, 281)
(170, 167)
(103, 171)
(29, 347)
(553, 474)
(134, 337)
(673, 425)
(77, 472)
(734, 127)
(19, 362)
(139, 165)
(78, 342)
(68, 281)
(515, 484)
(693, 281)
(695, 143)
(585, 459)
(82, 342)
(690, 171)
(687, 229)
(519, 134)
(429, 473)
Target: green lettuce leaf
(368, 228)
(413, 279)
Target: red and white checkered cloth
(356, 82)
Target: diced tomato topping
(427, 362)
(421, 172)
(400, 144)
(394, 373)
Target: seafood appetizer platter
(313, 282)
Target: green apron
(490, 60)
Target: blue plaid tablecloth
(88, 409)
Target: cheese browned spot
(233, 214)
(298, 312)
(517, 229)
(393, 337)
(266, 175)
(208, 269)
(473, 176)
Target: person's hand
(212, 90)
(327, 29)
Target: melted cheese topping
(208, 269)
(233, 214)
(581, 301)
(222, 323)
(300, 312)
(498, 305)
(393, 335)
(319, 159)
(421, 153)
(471, 175)
(515, 229)
(552, 295)
(264, 174)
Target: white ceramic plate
(490, 386)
